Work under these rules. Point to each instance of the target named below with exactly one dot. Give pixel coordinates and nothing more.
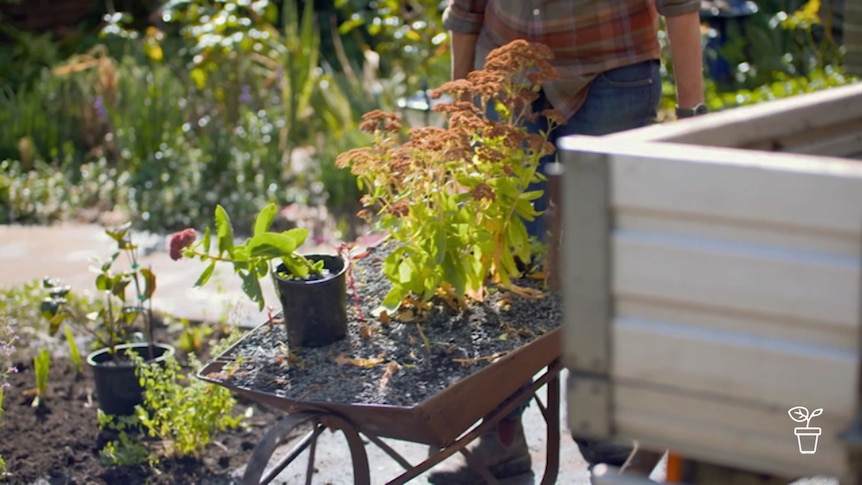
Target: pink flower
(181, 240)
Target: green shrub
(181, 411)
(409, 38)
(180, 416)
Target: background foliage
(161, 111)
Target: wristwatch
(697, 110)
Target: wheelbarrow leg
(275, 436)
(551, 415)
(552, 421)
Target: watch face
(698, 110)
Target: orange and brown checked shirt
(587, 37)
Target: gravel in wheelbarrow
(419, 381)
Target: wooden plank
(835, 140)
(586, 284)
(839, 145)
(781, 327)
(808, 286)
(586, 277)
(749, 124)
(729, 433)
(674, 224)
(765, 372)
(750, 187)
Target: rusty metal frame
(321, 420)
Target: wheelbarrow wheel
(260, 458)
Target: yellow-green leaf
(149, 282)
(264, 219)
(205, 276)
(273, 244)
(224, 230)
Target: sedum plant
(454, 199)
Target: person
(607, 54)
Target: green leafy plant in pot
(311, 288)
(115, 327)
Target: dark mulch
(402, 370)
(60, 441)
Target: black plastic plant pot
(315, 309)
(117, 387)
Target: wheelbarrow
(446, 421)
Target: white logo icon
(807, 436)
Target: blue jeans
(618, 100)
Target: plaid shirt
(587, 37)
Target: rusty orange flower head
(482, 191)
(399, 209)
(379, 120)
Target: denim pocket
(618, 100)
(633, 76)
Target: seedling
(74, 353)
(41, 364)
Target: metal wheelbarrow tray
(438, 420)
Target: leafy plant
(21, 305)
(775, 53)
(252, 259)
(182, 412)
(113, 323)
(125, 450)
(192, 336)
(455, 199)
(42, 366)
(408, 36)
(7, 346)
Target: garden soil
(59, 442)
